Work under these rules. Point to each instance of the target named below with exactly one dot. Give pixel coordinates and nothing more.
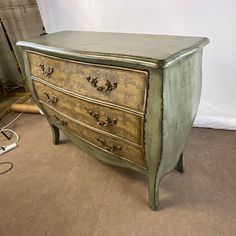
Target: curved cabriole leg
(55, 134)
(153, 192)
(181, 164)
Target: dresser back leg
(181, 163)
(55, 134)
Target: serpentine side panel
(181, 96)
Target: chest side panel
(181, 96)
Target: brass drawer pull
(60, 121)
(45, 71)
(113, 147)
(52, 99)
(109, 121)
(109, 86)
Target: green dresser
(126, 99)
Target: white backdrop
(215, 19)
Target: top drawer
(121, 86)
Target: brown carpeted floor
(61, 191)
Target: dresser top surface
(156, 49)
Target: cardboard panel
(22, 20)
(15, 3)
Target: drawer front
(117, 122)
(112, 145)
(123, 87)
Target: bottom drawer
(106, 143)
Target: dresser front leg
(181, 163)
(55, 134)
(153, 192)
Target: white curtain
(213, 19)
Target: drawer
(124, 124)
(108, 144)
(114, 85)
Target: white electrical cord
(13, 87)
(17, 136)
(6, 148)
(11, 121)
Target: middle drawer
(121, 123)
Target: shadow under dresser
(126, 99)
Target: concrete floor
(61, 191)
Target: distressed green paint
(135, 49)
(181, 95)
(174, 65)
(153, 132)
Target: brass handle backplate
(112, 148)
(108, 86)
(109, 121)
(44, 70)
(50, 99)
(60, 121)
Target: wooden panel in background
(16, 3)
(22, 20)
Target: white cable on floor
(11, 122)
(17, 136)
(6, 148)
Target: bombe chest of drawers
(126, 99)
